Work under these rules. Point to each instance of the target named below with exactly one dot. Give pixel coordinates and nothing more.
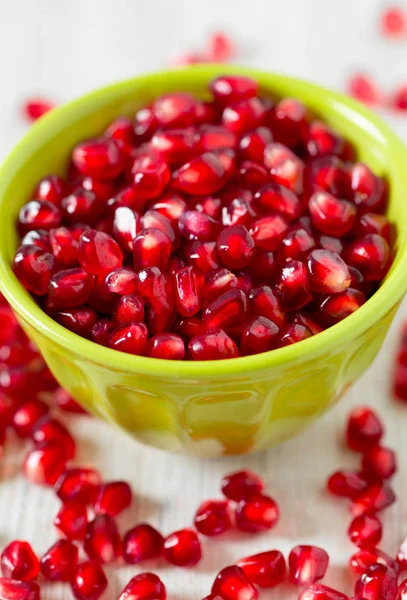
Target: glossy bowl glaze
(205, 408)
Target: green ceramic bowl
(205, 408)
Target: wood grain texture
(62, 49)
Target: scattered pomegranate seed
(102, 539)
(266, 569)
(365, 531)
(12, 589)
(364, 429)
(182, 548)
(59, 562)
(318, 591)
(399, 99)
(241, 485)
(363, 88)
(307, 564)
(19, 561)
(213, 517)
(146, 586)
(66, 403)
(143, 542)
(51, 431)
(379, 462)
(27, 415)
(35, 108)
(376, 498)
(72, 520)
(78, 485)
(113, 498)
(233, 584)
(88, 581)
(367, 557)
(378, 581)
(393, 22)
(44, 464)
(257, 513)
(220, 47)
(348, 484)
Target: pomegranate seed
(330, 215)
(233, 584)
(277, 198)
(39, 238)
(259, 335)
(365, 531)
(27, 415)
(129, 308)
(347, 484)
(168, 346)
(327, 272)
(214, 137)
(88, 581)
(59, 562)
(171, 206)
(81, 205)
(235, 247)
(63, 246)
(195, 225)
(33, 267)
(238, 212)
(103, 190)
(220, 47)
(318, 591)
(251, 176)
(69, 288)
(213, 345)
(366, 557)
(265, 303)
(35, 108)
(102, 539)
(121, 281)
(256, 513)
(149, 176)
(370, 255)
(368, 189)
(201, 176)
(322, 140)
(12, 589)
(204, 256)
(174, 110)
(226, 310)
(393, 22)
(296, 246)
(143, 542)
(339, 306)
(49, 430)
(80, 320)
(307, 564)
(288, 122)
(303, 319)
(399, 99)
(402, 556)
(376, 498)
(145, 586)
(372, 223)
(284, 166)
(51, 189)
(174, 146)
(98, 253)
(402, 591)
(268, 231)
(263, 268)
(364, 429)
(217, 283)
(328, 173)
(101, 331)
(78, 485)
(213, 517)
(327, 242)
(19, 561)
(363, 88)
(243, 116)
(233, 88)
(113, 498)
(151, 248)
(241, 485)
(182, 548)
(293, 285)
(379, 462)
(101, 158)
(266, 569)
(72, 520)
(125, 227)
(377, 582)
(129, 337)
(45, 463)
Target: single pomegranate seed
(232, 583)
(327, 272)
(201, 176)
(78, 485)
(393, 22)
(145, 586)
(243, 116)
(375, 499)
(365, 531)
(51, 431)
(174, 110)
(187, 291)
(241, 485)
(33, 267)
(98, 253)
(379, 462)
(328, 242)
(51, 189)
(213, 345)
(195, 225)
(235, 247)
(168, 346)
(72, 520)
(80, 320)
(12, 589)
(322, 140)
(372, 223)
(214, 137)
(277, 198)
(182, 548)
(366, 557)
(171, 206)
(88, 581)
(377, 582)
(35, 108)
(251, 176)
(103, 190)
(129, 308)
(151, 248)
(37, 237)
(121, 281)
(101, 158)
(303, 319)
(318, 591)
(266, 569)
(125, 227)
(129, 337)
(339, 306)
(45, 463)
(27, 415)
(265, 303)
(370, 255)
(284, 166)
(288, 122)
(59, 562)
(251, 145)
(102, 539)
(217, 283)
(307, 564)
(213, 517)
(226, 310)
(204, 256)
(174, 146)
(155, 220)
(143, 542)
(19, 561)
(256, 513)
(233, 88)
(81, 206)
(101, 331)
(364, 429)
(113, 498)
(329, 173)
(296, 245)
(63, 246)
(220, 47)
(149, 176)
(259, 335)
(238, 212)
(347, 484)
(399, 99)
(362, 87)
(293, 285)
(69, 288)
(368, 189)
(330, 215)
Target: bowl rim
(381, 303)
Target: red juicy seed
(402, 556)
(77, 229)
(233, 584)
(304, 319)
(251, 145)
(174, 110)
(101, 331)
(113, 498)
(330, 215)
(206, 112)
(379, 462)
(78, 485)
(154, 220)
(251, 176)
(288, 122)
(79, 320)
(88, 581)
(59, 562)
(368, 189)
(377, 582)
(145, 124)
(37, 237)
(327, 242)
(244, 282)
(327, 272)
(213, 345)
(220, 47)
(265, 303)
(263, 268)
(238, 212)
(167, 346)
(322, 140)
(363, 88)
(296, 332)
(268, 231)
(243, 116)
(189, 327)
(98, 253)
(195, 225)
(12, 589)
(121, 130)
(213, 137)
(103, 190)
(171, 206)
(72, 520)
(233, 88)
(204, 256)
(27, 415)
(277, 198)
(217, 283)
(284, 166)
(226, 310)
(213, 517)
(339, 306)
(121, 281)
(399, 99)
(364, 429)
(129, 337)
(149, 176)
(256, 513)
(49, 430)
(44, 464)
(125, 227)
(101, 158)
(129, 308)
(102, 539)
(376, 498)
(370, 254)
(19, 561)
(51, 189)
(366, 557)
(296, 245)
(347, 484)
(182, 548)
(69, 288)
(235, 246)
(33, 267)
(35, 108)
(63, 246)
(365, 531)
(372, 223)
(80, 206)
(307, 564)
(259, 335)
(174, 146)
(18, 355)
(400, 383)
(143, 542)
(201, 176)
(187, 290)
(293, 285)
(393, 22)
(266, 569)
(8, 325)
(145, 586)
(318, 591)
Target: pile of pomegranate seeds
(206, 230)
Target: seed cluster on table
(206, 230)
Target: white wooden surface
(62, 49)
